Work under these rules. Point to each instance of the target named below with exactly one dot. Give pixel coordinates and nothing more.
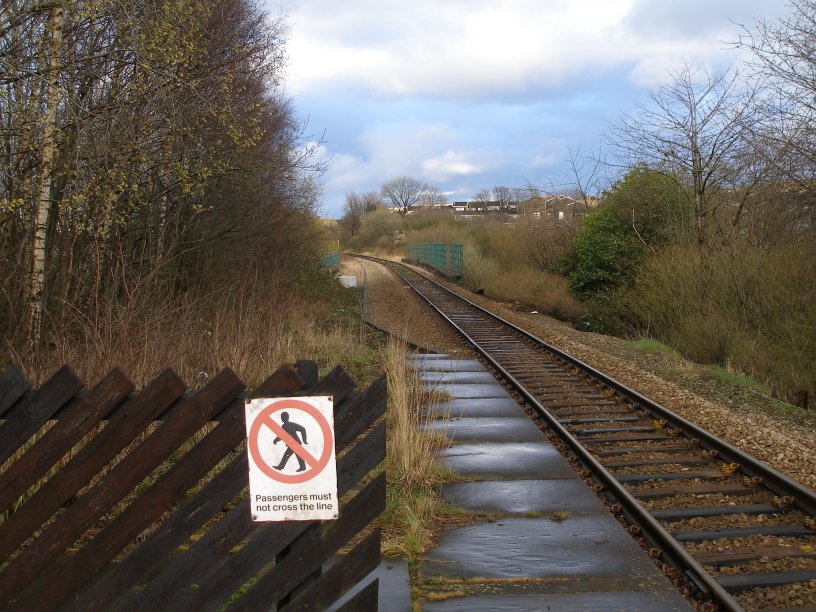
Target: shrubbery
(744, 307)
(638, 213)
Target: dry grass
(748, 309)
(411, 465)
(251, 328)
(534, 289)
(508, 261)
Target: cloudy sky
(469, 94)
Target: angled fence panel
(111, 499)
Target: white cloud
(447, 165)
(456, 48)
(543, 161)
(480, 48)
(466, 94)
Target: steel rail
(779, 483)
(651, 530)
(637, 515)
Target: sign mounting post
(292, 467)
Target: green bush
(638, 213)
(603, 255)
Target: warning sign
(292, 469)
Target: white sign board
(292, 468)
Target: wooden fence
(138, 501)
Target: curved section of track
(730, 525)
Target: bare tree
(432, 196)
(505, 196)
(481, 198)
(588, 178)
(371, 200)
(353, 214)
(356, 207)
(696, 130)
(43, 204)
(784, 55)
(402, 192)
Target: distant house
(554, 207)
(471, 210)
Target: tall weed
(411, 464)
(543, 291)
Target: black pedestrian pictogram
(261, 452)
(293, 429)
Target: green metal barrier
(445, 258)
(332, 260)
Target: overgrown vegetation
(157, 209)
(155, 195)
(639, 214)
(412, 468)
(747, 307)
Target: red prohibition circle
(265, 418)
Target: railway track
(737, 532)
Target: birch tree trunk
(38, 247)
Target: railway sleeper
(648, 448)
(744, 555)
(591, 412)
(681, 460)
(738, 583)
(575, 391)
(565, 398)
(560, 392)
(702, 535)
(614, 417)
(524, 374)
(609, 430)
(608, 419)
(636, 478)
(547, 380)
(645, 437)
(724, 488)
(680, 514)
(499, 344)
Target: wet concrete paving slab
(432, 377)
(524, 496)
(477, 407)
(578, 548)
(463, 391)
(444, 364)
(505, 460)
(579, 559)
(487, 429)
